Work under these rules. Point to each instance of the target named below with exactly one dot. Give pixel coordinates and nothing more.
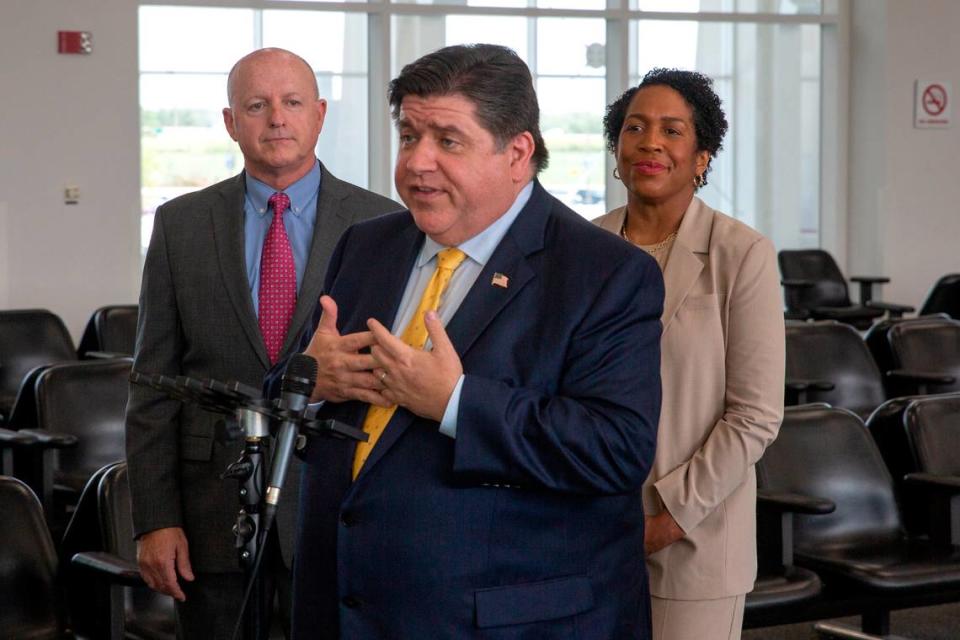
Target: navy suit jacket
(529, 524)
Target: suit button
(348, 519)
(351, 602)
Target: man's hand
(163, 554)
(660, 531)
(420, 381)
(343, 373)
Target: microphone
(295, 389)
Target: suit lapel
(228, 236)
(484, 302)
(684, 264)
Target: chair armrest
(104, 355)
(50, 439)
(775, 516)
(809, 385)
(109, 566)
(920, 377)
(797, 284)
(794, 503)
(866, 287)
(920, 479)
(870, 279)
(889, 306)
(796, 390)
(10, 438)
(941, 496)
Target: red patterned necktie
(278, 280)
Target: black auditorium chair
(85, 401)
(30, 602)
(814, 288)
(933, 427)
(888, 426)
(110, 332)
(926, 355)
(107, 596)
(869, 563)
(29, 338)
(944, 297)
(829, 362)
(782, 591)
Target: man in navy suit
(502, 497)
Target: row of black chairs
(30, 338)
(831, 362)
(815, 288)
(851, 520)
(89, 585)
(858, 519)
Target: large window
(765, 56)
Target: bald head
(269, 55)
(275, 115)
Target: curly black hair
(709, 121)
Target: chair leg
(876, 622)
(118, 612)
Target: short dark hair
(492, 77)
(709, 121)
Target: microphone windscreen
(300, 375)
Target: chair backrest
(113, 503)
(87, 399)
(827, 453)
(112, 329)
(29, 604)
(818, 266)
(834, 352)
(103, 522)
(148, 614)
(928, 344)
(28, 338)
(944, 297)
(933, 424)
(887, 425)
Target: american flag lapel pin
(500, 280)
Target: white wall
(75, 119)
(904, 195)
(68, 119)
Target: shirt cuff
(448, 425)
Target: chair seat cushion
(894, 566)
(792, 587)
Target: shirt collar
(480, 247)
(300, 192)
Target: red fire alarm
(74, 42)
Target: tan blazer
(722, 367)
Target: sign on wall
(932, 104)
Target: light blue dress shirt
(257, 217)
(478, 249)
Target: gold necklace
(649, 248)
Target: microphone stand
(250, 472)
(248, 416)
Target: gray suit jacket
(197, 319)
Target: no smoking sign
(932, 104)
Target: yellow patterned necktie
(415, 335)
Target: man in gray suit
(206, 311)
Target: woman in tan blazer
(722, 355)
